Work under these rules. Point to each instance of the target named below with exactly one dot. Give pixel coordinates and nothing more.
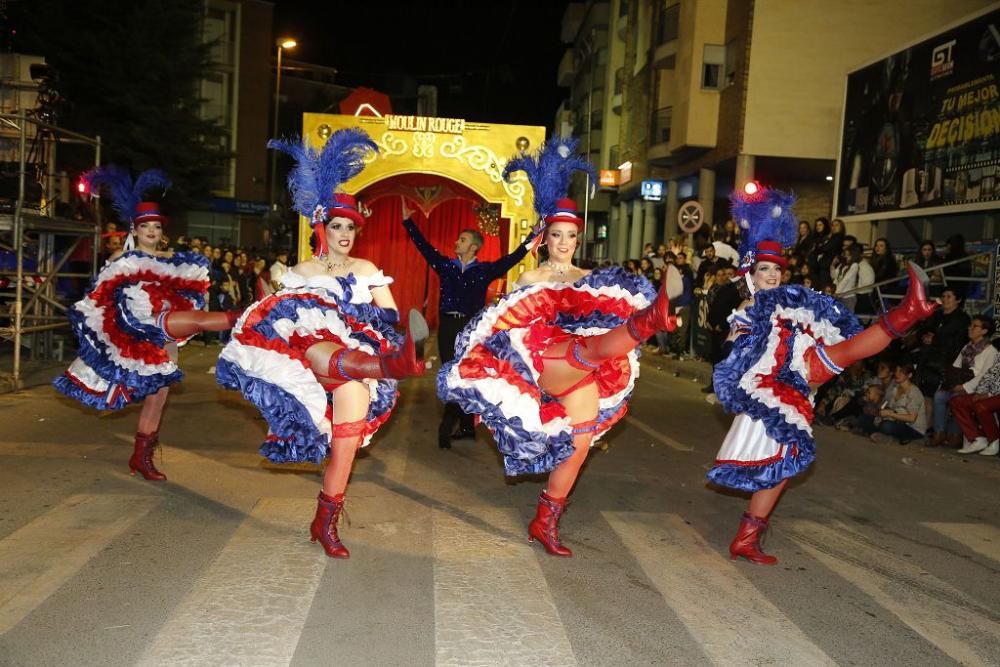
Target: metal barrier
(35, 310)
(937, 270)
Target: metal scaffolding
(31, 313)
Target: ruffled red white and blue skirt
(119, 325)
(266, 359)
(766, 381)
(498, 360)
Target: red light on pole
(751, 188)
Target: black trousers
(448, 329)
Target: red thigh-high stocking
(638, 328)
(894, 324)
(335, 364)
(185, 323)
(581, 406)
(350, 407)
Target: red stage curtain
(385, 242)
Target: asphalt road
(889, 555)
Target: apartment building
(701, 96)
(237, 92)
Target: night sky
(491, 61)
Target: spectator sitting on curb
(976, 414)
(903, 415)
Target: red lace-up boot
(747, 541)
(545, 526)
(142, 457)
(324, 525)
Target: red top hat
(345, 206)
(766, 251)
(148, 211)
(565, 212)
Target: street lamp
(285, 43)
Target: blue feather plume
(316, 176)
(766, 216)
(125, 195)
(549, 171)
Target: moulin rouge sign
(425, 124)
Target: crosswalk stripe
(955, 623)
(41, 556)
(700, 585)
(492, 604)
(980, 537)
(251, 604)
(659, 437)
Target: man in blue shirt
(464, 282)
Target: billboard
(921, 128)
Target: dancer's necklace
(331, 265)
(558, 269)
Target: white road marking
(733, 622)
(980, 537)
(659, 437)
(41, 556)
(251, 604)
(492, 604)
(942, 614)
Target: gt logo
(942, 62)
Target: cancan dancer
(550, 367)
(785, 341)
(321, 358)
(144, 304)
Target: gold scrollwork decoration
(483, 159)
(388, 146)
(423, 144)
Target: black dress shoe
(464, 434)
(444, 442)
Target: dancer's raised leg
(186, 323)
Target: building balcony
(616, 103)
(566, 69)
(660, 155)
(621, 26)
(662, 121)
(659, 152)
(665, 56)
